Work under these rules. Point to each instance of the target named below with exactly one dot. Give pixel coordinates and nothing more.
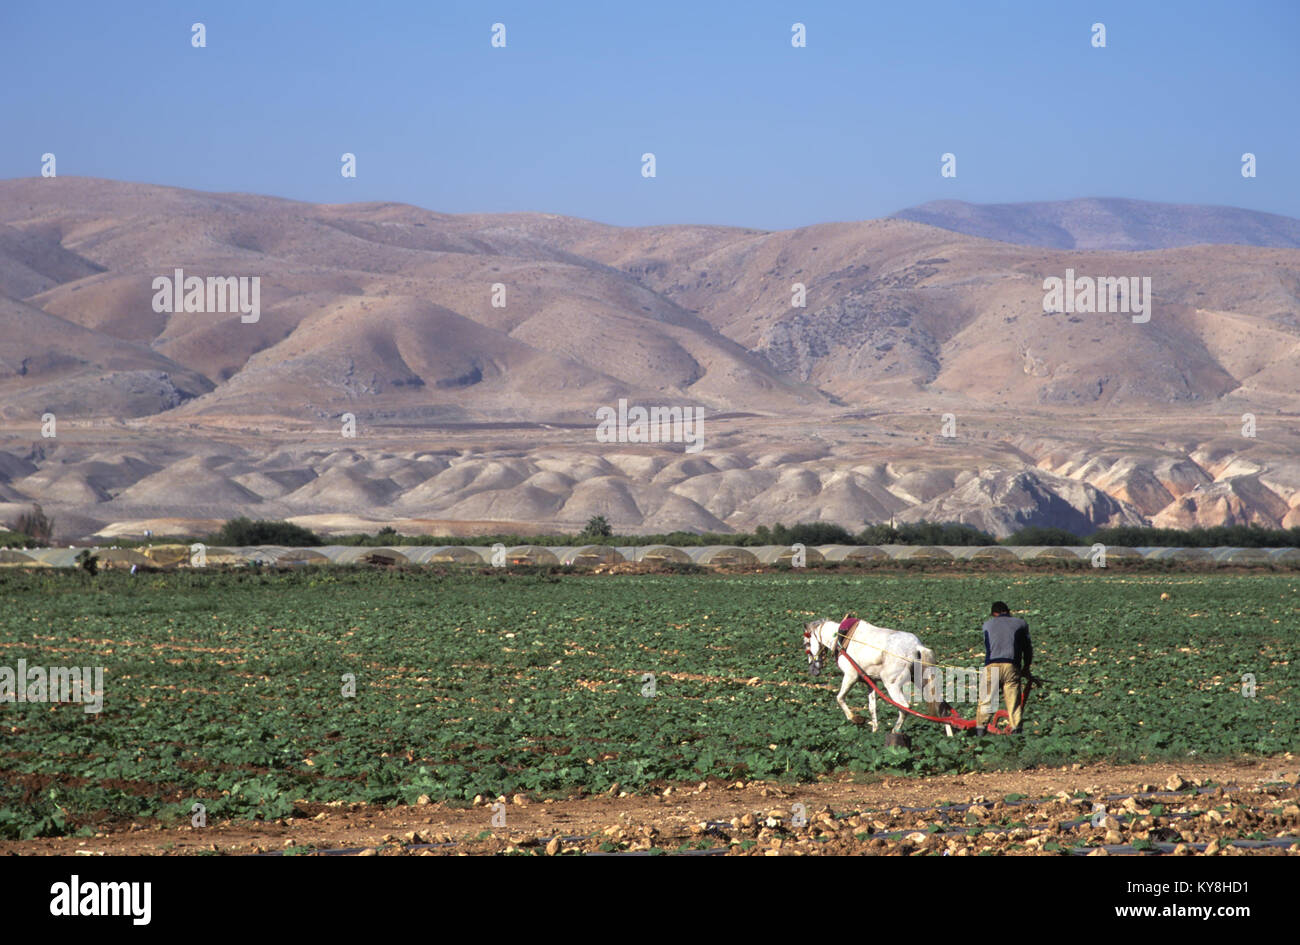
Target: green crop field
(229, 688)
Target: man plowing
(1008, 654)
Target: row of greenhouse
(724, 556)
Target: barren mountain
(1108, 223)
(406, 365)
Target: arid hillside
(403, 365)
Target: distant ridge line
(1108, 223)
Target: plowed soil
(1157, 808)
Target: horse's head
(813, 646)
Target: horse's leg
(896, 692)
(871, 700)
(849, 680)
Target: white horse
(891, 656)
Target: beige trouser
(1008, 676)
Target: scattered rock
(553, 847)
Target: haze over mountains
(1108, 223)
(469, 412)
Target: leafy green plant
(224, 685)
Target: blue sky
(746, 129)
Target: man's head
(1000, 609)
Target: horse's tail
(925, 656)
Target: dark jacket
(1006, 640)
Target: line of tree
(34, 530)
(598, 531)
(1218, 536)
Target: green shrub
(1043, 535)
(244, 531)
(924, 533)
